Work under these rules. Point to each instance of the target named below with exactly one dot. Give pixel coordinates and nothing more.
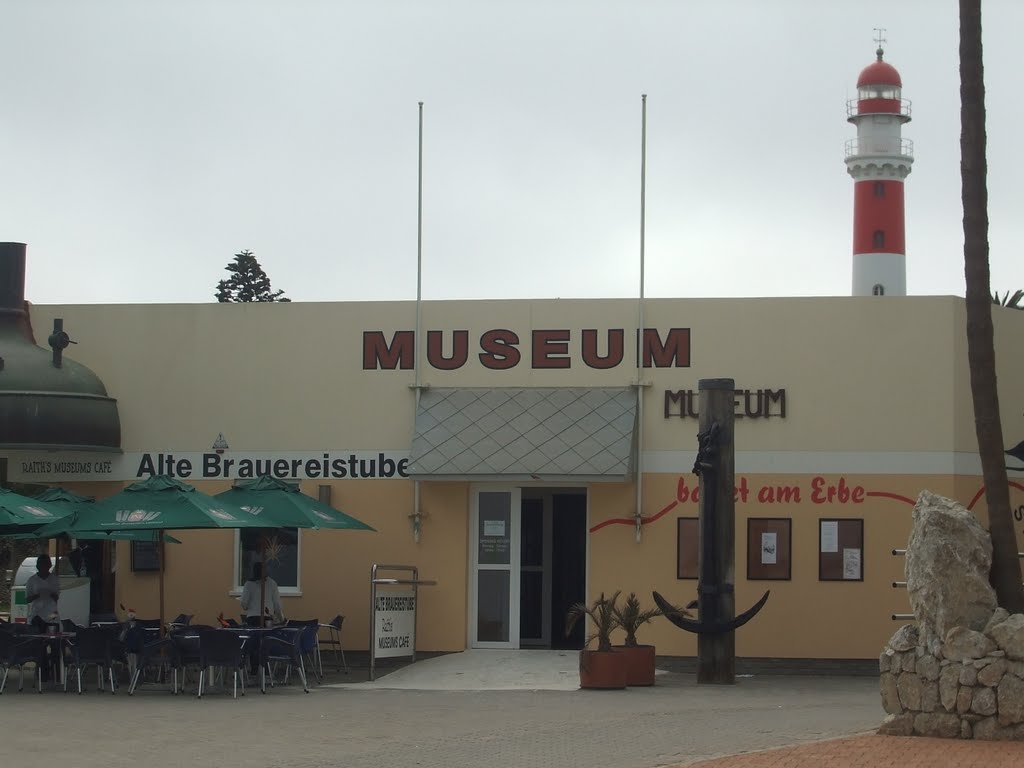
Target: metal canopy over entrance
(576, 434)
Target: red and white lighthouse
(879, 160)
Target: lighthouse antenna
(880, 39)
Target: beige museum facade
(846, 409)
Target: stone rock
(990, 730)
(968, 675)
(949, 556)
(929, 696)
(948, 687)
(909, 687)
(1016, 668)
(1009, 636)
(898, 725)
(963, 643)
(984, 701)
(885, 660)
(993, 673)
(986, 729)
(890, 694)
(1011, 700)
(998, 617)
(941, 724)
(928, 667)
(909, 662)
(966, 731)
(964, 697)
(905, 638)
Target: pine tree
(248, 281)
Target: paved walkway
(482, 708)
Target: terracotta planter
(602, 669)
(639, 663)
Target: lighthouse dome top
(879, 72)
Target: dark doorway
(553, 565)
(568, 565)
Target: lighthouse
(879, 160)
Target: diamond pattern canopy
(581, 433)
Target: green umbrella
(157, 503)
(64, 498)
(280, 504)
(22, 514)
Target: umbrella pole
(263, 579)
(160, 550)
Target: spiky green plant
(602, 613)
(631, 618)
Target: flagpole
(640, 322)
(416, 520)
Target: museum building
(530, 454)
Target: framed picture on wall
(145, 556)
(769, 548)
(687, 547)
(840, 550)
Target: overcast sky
(143, 144)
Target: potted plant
(603, 667)
(639, 658)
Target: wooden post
(716, 653)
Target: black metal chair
(179, 621)
(17, 650)
(93, 646)
(221, 650)
(308, 643)
(161, 655)
(331, 642)
(282, 646)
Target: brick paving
(874, 751)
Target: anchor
(714, 593)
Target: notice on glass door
(769, 548)
(494, 527)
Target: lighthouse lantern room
(879, 160)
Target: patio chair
(160, 655)
(93, 646)
(222, 650)
(308, 643)
(186, 653)
(282, 646)
(17, 650)
(179, 621)
(332, 642)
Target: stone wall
(958, 672)
(971, 686)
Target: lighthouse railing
(853, 107)
(879, 147)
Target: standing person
(41, 593)
(250, 602)
(250, 599)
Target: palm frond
(602, 613)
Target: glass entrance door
(494, 621)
